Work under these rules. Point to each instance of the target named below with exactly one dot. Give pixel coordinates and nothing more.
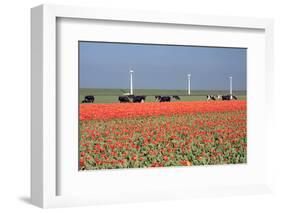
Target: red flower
(117, 110)
(134, 157)
(186, 163)
(82, 162)
(119, 135)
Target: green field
(111, 95)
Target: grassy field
(111, 95)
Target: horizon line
(164, 89)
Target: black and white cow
(139, 99)
(124, 99)
(89, 99)
(159, 98)
(234, 97)
(165, 99)
(218, 97)
(176, 97)
(228, 97)
(211, 97)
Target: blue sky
(107, 65)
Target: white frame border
(43, 92)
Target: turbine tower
(230, 85)
(131, 82)
(188, 83)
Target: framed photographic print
(130, 106)
(149, 117)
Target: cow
(218, 97)
(211, 97)
(139, 99)
(89, 99)
(157, 98)
(124, 99)
(234, 97)
(164, 99)
(226, 97)
(176, 97)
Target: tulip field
(138, 135)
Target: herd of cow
(141, 98)
(221, 97)
(158, 98)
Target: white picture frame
(45, 178)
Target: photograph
(161, 105)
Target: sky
(107, 65)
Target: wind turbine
(188, 83)
(131, 82)
(230, 85)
